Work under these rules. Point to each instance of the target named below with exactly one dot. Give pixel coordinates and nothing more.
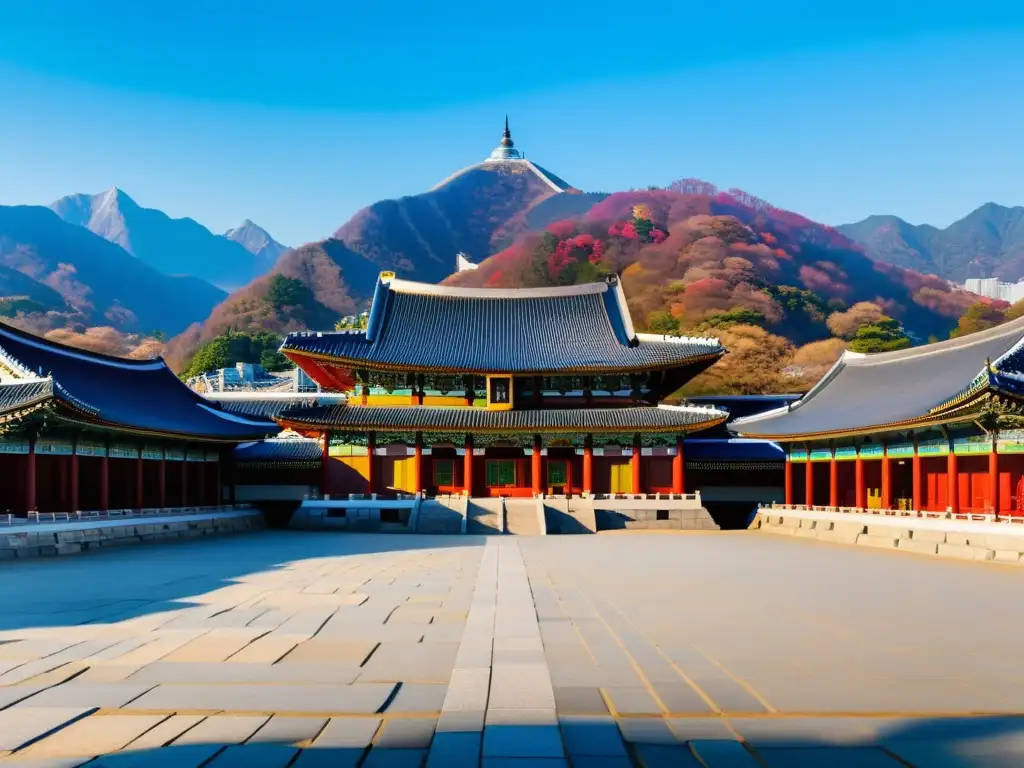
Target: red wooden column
(417, 464)
(588, 465)
(138, 481)
(30, 477)
(952, 482)
(635, 464)
(886, 484)
(809, 481)
(537, 467)
(993, 479)
(105, 479)
(916, 466)
(467, 467)
(184, 480)
(789, 481)
(325, 465)
(678, 481)
(371, 464)
(861, 492)
(833, 482)
(163, 478)
(74, 476)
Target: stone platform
(623, 649)
(65, 534)
(943, 536)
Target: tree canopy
(883, 335)
(234, 347)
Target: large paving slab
(307, 649)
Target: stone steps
(524, 517)
(485, 517)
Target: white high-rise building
(992, 288)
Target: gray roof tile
(415, 326)
(864, 392)
(434, 418)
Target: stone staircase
(442, 515)
(525, 517)
(485, 516)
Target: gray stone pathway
(633, 649)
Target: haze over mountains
(71, 275)
(173, 246)
(988, 242)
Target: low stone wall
(964, 540)
(651, 519)
(313, 515)
(49, 539)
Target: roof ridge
(397, 285)
(41, 342)
(939, 347)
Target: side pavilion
(930, 428)
(85, 431)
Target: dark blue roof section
(430, 418)
(737, 449)
(263, 406)
(142, 395)
(583, 328)
(283, 450)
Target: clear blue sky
(297, 114)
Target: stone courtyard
(627, 649)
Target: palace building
(933, 428)
(491, 392)
(85, 431)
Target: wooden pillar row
(678, 469)
(325, 465)
(537, 467)
(31, 503)
(139, 497)
(635, 465)
(371, 464)
(467, 467)
(789, 481)
(588, 465)
(993, 479)
(952, 482)
(860, 486)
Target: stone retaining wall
(72, 538)
(685, 519)
(999, 542)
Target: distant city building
(252, 377)
(463, 264)
(993, 288)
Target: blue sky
(296, 115)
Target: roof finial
(506, 137)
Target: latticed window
(557, 474)
(444, 473)
(501, 473)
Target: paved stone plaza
(319, 649)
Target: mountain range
(988, 242)
(173, 246)
(64, 274)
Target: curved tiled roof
(267, 406)
(280, 450)
(135, 395)
(863, 393)
(581, 328)
(660, 418)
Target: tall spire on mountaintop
(506, 149)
